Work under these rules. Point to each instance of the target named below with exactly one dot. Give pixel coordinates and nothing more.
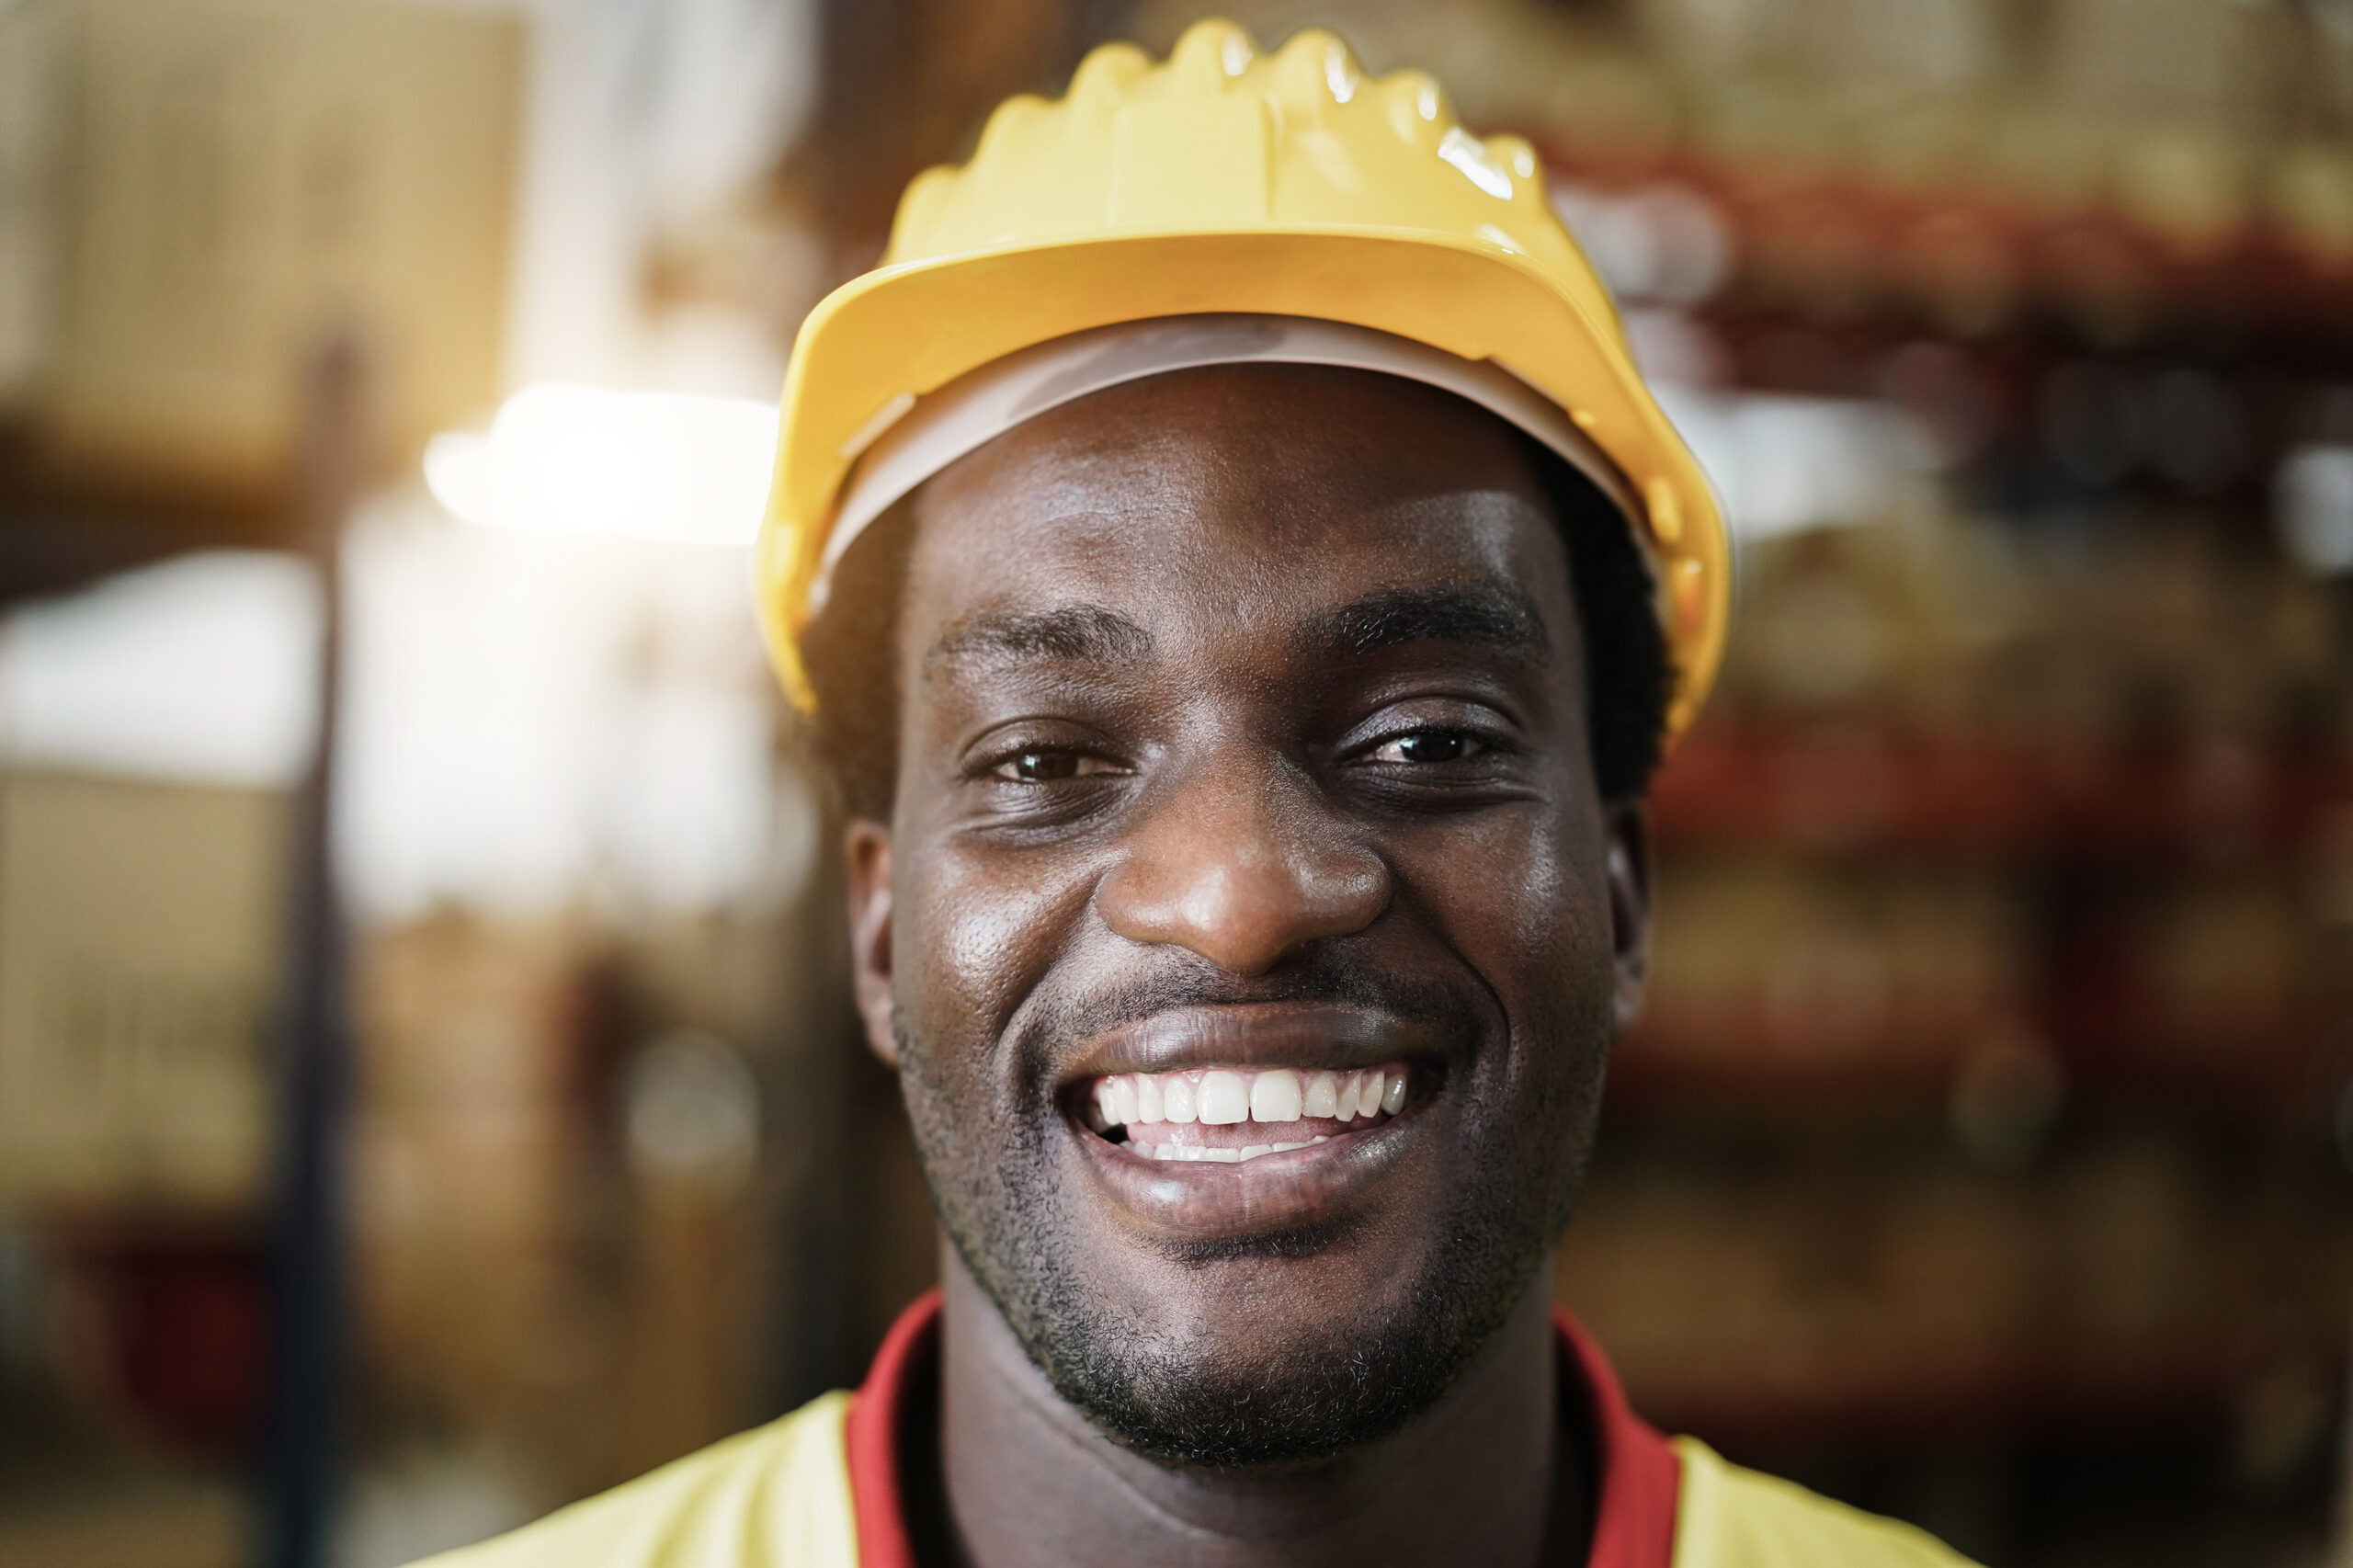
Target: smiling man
(1243, 589)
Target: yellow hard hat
(1225, 180)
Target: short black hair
(847, 649)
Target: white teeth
(1224, 1097)
(1176, 1102)
(1252, 1150)
(1224, 1100)
(1222, 1156)
(1274, 1096)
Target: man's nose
(1241, 862)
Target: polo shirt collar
(1633, 1523)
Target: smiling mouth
(1230, 1115)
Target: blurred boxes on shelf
(29, 239)
(571, 1151)
(1862, 1281)
(199, 193)
(1858, 981)
(140, 949)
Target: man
(1243, 589)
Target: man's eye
(1047, 767)
(1426, 746)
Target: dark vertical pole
(307, 1362)
(2340, 1544)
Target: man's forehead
(1177, 583)
(1288, 438)
(1338, 512)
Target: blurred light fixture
(586, 460)
(1658, 243)
(2312, 505)
(199, 669)
(1788, 465)
(692, 1111)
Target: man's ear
(866, 846)
(1629, 909)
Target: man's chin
(1190, 1377)
(1201, 1404)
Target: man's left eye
(1044, 766)
(1427, 746)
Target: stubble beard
(1184, 1400)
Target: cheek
(1523, 903)
(1524, 899)
(971, 937)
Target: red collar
(1640, 1478)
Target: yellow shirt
(817, 1490)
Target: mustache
(1447, 1010)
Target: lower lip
(1202, 1200)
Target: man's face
(1243, 742)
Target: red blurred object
(170, 1332)
(1867, 787)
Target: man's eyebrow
(1073, 633)
(1487, 615)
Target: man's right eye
(1047, 767)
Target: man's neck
(1491, 1474)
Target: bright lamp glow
(582, 460)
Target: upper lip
(1252, 1034)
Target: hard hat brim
(881, 341)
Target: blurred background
(427, 1087)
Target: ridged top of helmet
(1222, 136)
(1226, 180)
